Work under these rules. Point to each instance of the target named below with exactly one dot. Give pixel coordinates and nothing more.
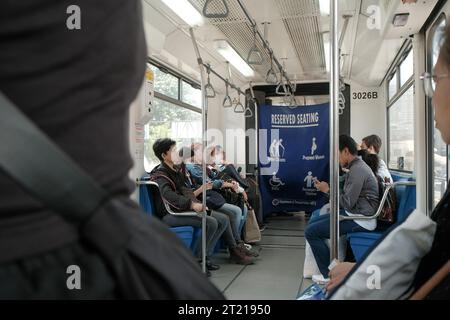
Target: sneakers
(238, 256)
(319, 279)
(243, 247)
(262, 228)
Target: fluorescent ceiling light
(186, 11)
(327, 49)
(230, 55)
(324, 7)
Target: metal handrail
(334, 131)
(383, 200)
(166, 205)
(230, 84)
(204, 141)
(264, 41)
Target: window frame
(404, 89)
(173, 101)
(404, 58)
(395, 69)
(180, 78)
(401, 90)
(181, 91)
(392, 75)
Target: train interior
(251, 50)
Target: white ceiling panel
(295, 35)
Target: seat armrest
(166, 205)
(382, 202)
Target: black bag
(232, 173)
(232, 197)
(389, 210)
(122, 252)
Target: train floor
(277, 273)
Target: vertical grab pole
(204, 142)
(255, 114)
(334, 132)
(257, 143)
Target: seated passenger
(372, 160)
(219, 162)
(439, 254)
(218, 157)
(373, 144)
(196, 172)
(180, 198)
(251, 193)
(238, 252)
(359, 197)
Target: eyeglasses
(429, 82)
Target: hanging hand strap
(216, 15)
(29, 157)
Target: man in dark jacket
(181, 198)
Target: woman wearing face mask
(218, 157)
(219, 163)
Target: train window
(170, 121)
(165, 83)
(401, 132)
(176, 113)
(407, 68)
(400, 114)
(393, 86)
(439, 150)
(191, 95)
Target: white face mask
(218, 160)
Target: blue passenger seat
(186, 233)
(360, 242)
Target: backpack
(123, 252)
(389, 209)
